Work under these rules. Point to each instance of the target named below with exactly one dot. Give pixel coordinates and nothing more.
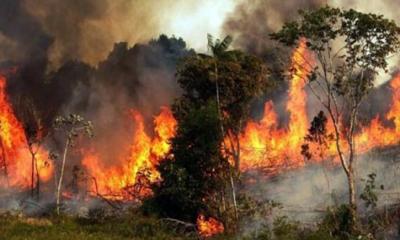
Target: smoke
(21, 32)
(306, 193)
(252, 21)
(313, 188)
(86, 30)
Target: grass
(60, 228)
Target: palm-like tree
(219, 50)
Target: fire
(376, 134)
(165, 125)
(143, 156)
(15, 158)
(262, 143)
(209, 227)
(296, 106)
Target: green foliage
(194, 174)
(240, 77)
(366, 41)
(317, 134)
(338, 220)
(283, 229)
(134, 227)
(218, 47)
(368, 194)
(217, 92)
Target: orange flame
(264, 145)
(209, 227)
(376, 134)
(15, 159)
(144, 154)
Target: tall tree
(349, 49)
(233, 79)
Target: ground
(53, 228)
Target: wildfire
(376, 134)
(15, 158)
(209, 227)
(264, 145)
(142, 158)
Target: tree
(71, 126)
(194, 174)
(35, 134)
(233, 79)
(349, 49)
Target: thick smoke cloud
(22, 32)
(252, 22)
(87, 29)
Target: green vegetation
(134, 227)
(195, 173)
(218, 91)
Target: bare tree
(71, 126)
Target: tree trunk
(348, 169)
(352, 197)
(234, 197)
(223, 135)
(61, 176)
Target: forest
(282, 125)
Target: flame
(144, 154)
(209, 227)
(262, 143)
(376, 134)
(165, 125)
(15, 158)
(265, 146)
